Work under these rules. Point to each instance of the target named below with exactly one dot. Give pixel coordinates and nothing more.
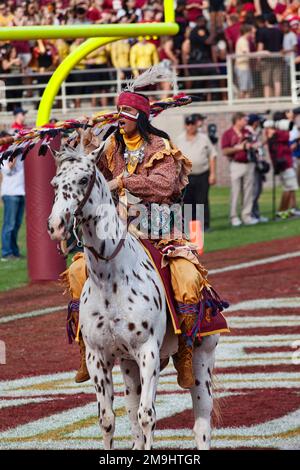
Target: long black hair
(145, 130)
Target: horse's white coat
(122, 310)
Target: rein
(78, 212)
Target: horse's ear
(96, 154)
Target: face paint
(131, 117)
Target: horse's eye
(83, 180)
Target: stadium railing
(214, 82)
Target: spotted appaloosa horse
(122, 306)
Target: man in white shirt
(13, 197)
(199, 149)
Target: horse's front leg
(100, 370)
(131, 375)
(202, 392)
(149, 372)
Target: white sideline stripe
(260, 304)
(34, 313)
(234, 267)
(250, 264)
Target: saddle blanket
(210, 324)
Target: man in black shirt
(270, 39)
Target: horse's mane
(69, 154)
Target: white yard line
(34, 313)
(250, 264)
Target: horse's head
(75, 171)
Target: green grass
(14, 274)
(224, 236)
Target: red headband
(136, 101)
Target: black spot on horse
(145, 324)
(131, 326)
(137, 276)
(208, 388)
(197, 382)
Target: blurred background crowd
(209, 31)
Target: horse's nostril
(68, 215)
(62, 223)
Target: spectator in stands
(290, 40)
(6, 17)
(281, 156)
(181, 20)
(242, 61)
(197, 50)
(232, 32)
(194, 10)
(32, 15)
(220, 52)
(264, 7)
(79, 14)
(142, 56)
(77, 77)
(94, 11)
(217, 14)
(270, 38)
(19, 119)
(11, 65)
(133, 14)
(98, 60)
(197, 146)
(13, 197)
(235, 145)
(119, 56)
(289, 49)
(167, 55)
(19, 19)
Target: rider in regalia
(141, 161)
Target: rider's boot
(183, 359)
(82, 373)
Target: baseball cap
(296, 111)
(19, 110)
(190, 119)
(253, 118)
(199, 116)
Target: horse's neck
(103, 230)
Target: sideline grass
(14, 274)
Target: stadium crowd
(209, 30)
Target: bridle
(78, 214)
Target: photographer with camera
(278, 135)
(199, 149)
(237, 145)
(262, 167)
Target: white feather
(149, 77)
